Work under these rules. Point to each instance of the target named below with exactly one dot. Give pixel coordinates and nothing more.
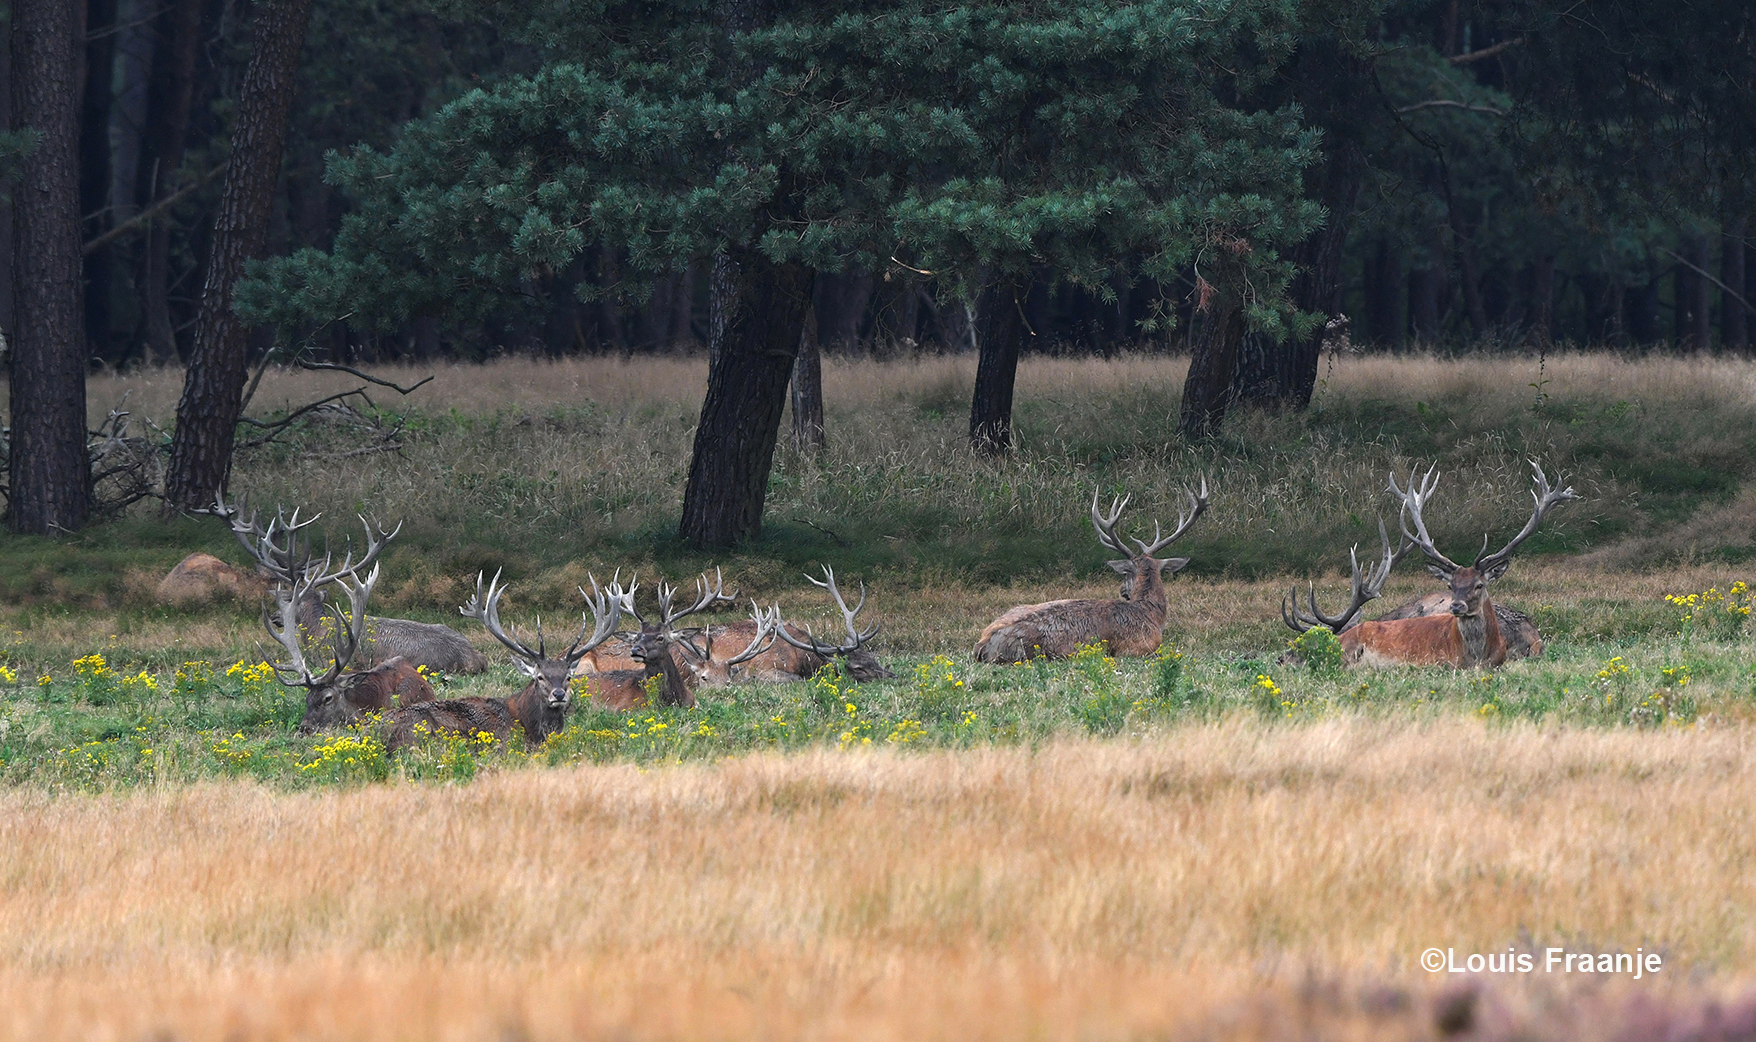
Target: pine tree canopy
(976, 141)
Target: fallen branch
(1444, 103)
(146, 216)
(1730, 292)
(1485, 52)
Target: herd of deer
(666, 663)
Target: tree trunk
(1213, 361)
(1734, 319)
(758, 319)
(1701, 295)
(49, 474)
(1642, 303)
(808, 432)
(998, 331)
(1283, 376)
(1423, 304)
(1384, 293)
(6, 223)
(167, 133)
(207, 413)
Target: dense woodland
(465, 178)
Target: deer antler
(1413, 500)
(345, 637)
(285, 552)
(485, 609)
(855, 636)
(1106, 524)
(1366, 588)
(1546, 499)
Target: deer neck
(1481, 634)
(530, 708)
(674, 692)
(1149, 587)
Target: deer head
(549, 676)
(1469, 584)
(652, 646)
(1137, 565)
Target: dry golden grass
(1190, 881)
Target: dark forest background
(1461, 222)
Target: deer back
(1516, 628)
(404, 727)
(1057, 629)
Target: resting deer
(1470, 633)
(810, 655)
(334, 696)
(665, 653)
(282, 546)
(540, 709)
(1133, 625)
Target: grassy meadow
(1207, 841)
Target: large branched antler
(1413, 500)
(1106, 524)
(1546, 498)
(283, 546)
(856, 637)
(606, 610)
(1366, 588)
(346, 634)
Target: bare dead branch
(1485, 52)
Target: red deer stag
(334, 696)
(282, 546)
(540, 709)
(809, 655)
(1133, 625)
(1470, 633)
(671, 656)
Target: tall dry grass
(1229, 880)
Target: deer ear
(1495, 571)
(1438, 572)
(1173, 565)
(1121, 567)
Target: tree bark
(1213, 361)
(1384, 292)
(758, 319)
(999, 332)
(1542, 300)
(1734, 320)
(49, 474)
(1283, 376)
(207, 413)
(808, 432)
(6, 224)
(167, 132)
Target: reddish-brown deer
(540, 709)
(1132, 625)
(282, 547)
(334, 696)
(670, 663)
(1469, 634)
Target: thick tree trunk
(1701, 299)
(758, 318)
(1642, 305)
(1283, 376)
(999, 333)
(1423, 304)
(808, 432)
(207, 413)
(49, 474)
(1734, 318)
(167, 133)
(6, 224)
(1213, 361)
(1384, 293)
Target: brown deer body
(1469, 633)
(668, 663)
(1516, 628)
(336, 696)
(540, 709)
(1131, 625)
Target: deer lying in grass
(1469, 634)
(334, 696)
(796, 656)
(1133, 625)
(670, 664)
(540, 709)
(283, 546)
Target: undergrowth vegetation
(556, 471)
